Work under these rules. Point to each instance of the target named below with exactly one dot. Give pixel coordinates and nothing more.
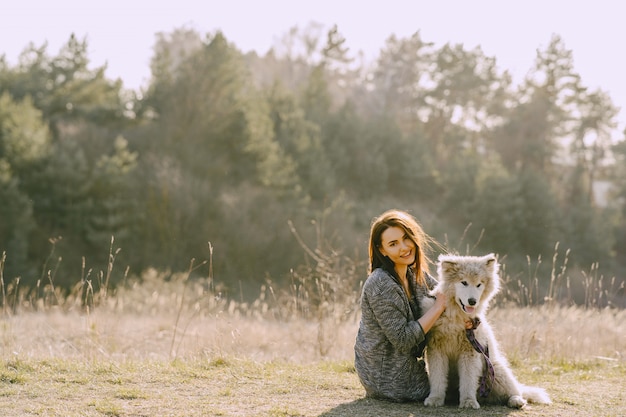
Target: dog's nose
(471, 301)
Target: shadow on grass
(367, 407)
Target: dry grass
(169, 346)
(539, 333)
(233, 386)
(218, 358)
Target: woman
(392, 332)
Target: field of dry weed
(172, 347)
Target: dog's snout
(471, 301)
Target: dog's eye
(464, 283)
(478, 286)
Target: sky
(121, 33)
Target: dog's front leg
(438, 366)
(470, 370)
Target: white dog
(469, 283)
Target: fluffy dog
(469, 283)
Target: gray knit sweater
(386, 347)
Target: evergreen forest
(261, 165)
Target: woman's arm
(385, 311)
(430, 317)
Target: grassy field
(171, 348)
(243, 387)
(111, 363)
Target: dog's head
(468, 281)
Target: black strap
(486, 380)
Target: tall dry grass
(165, 316)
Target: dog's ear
(449, 266)
(490, 259)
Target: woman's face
(398, 246)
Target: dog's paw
(469, 403)
(434, 401)
(515, 401)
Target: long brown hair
(402, 219)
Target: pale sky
(121, 33)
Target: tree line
(223, 150)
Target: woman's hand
(440, 303)
(430, 317)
